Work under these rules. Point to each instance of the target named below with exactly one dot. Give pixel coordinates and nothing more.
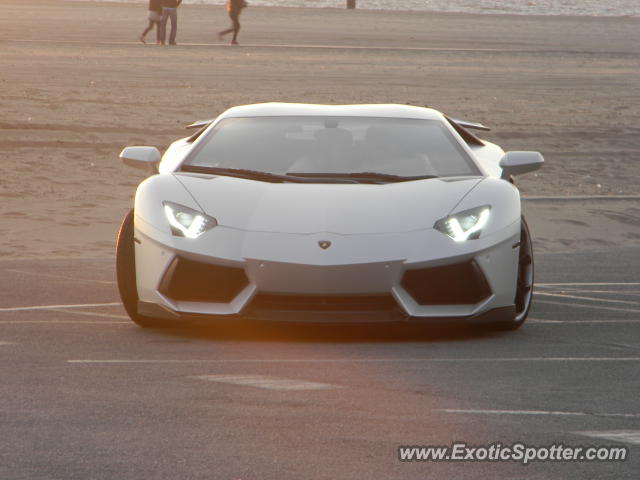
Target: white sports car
(317, 213)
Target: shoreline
(386, 10)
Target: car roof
(307, 109)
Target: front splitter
(495, 315)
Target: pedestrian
(234, 7)
(169, 11)
(155, 15)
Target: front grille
(458, 284)
(189, 281)
(335, 303)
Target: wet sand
(77, 86)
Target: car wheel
(524, 286)
(126, 275)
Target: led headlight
(187, 222)
(465, 225)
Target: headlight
(465, 225)
(187, 222)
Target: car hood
(306, 208)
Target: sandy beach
(77, 86)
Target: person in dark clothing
(234, 7)
(169, 10)
(155, 15)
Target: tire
(524, 286)
(126, 275)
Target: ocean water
(608, 8)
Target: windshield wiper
(259, 175)
(371, 176)
(389, 176)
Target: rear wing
(199, 124)
(461, 127)
(462, 123)
(472, 125)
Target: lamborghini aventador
(317, 213)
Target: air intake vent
(458, 284)
(189, 281)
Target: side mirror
(517, 163)
(141, 157)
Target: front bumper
(418, 276)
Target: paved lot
(87, 394)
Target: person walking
(169, 11)
(154, 16)
(234, 7)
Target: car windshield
(388, 149)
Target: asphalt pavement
(87, 394)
